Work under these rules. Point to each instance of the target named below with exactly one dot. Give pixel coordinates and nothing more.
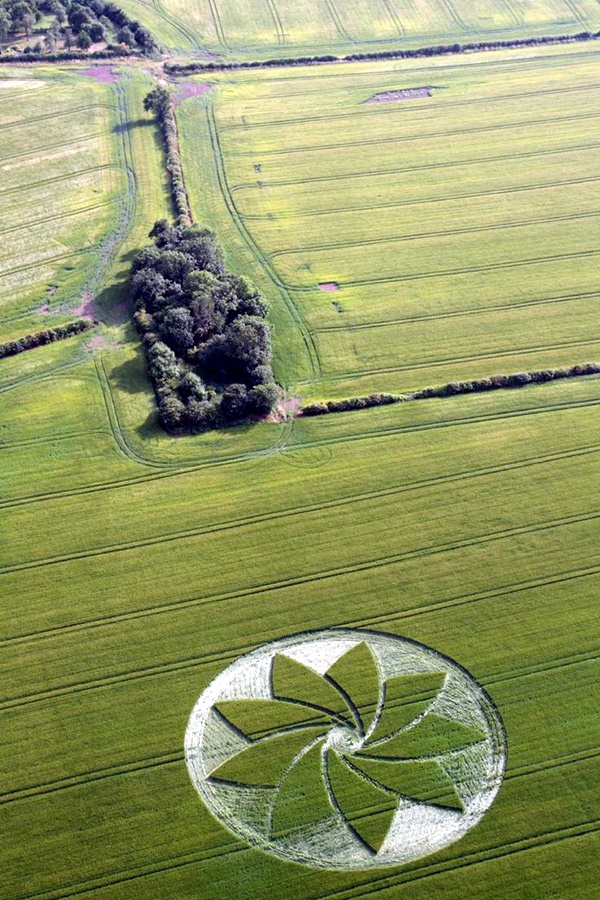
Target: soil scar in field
(329, 286)
(103, 74)
(420, 93)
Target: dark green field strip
(415, 112)
(585, 619)
(24, 521)
(183, 843)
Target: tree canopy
(204, 330)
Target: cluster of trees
(48, 336)
(452, 388)
(159, 102)
(203, 329)
(422, 52)
(75, 23)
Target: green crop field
(138, 570)
(461, 230)
(286, 27)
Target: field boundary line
(48, 147)
(293, 512)
(35, 184)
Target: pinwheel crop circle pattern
(346, 749)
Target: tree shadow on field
(130, 377)
(123, 127)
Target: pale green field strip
(283, 28)
(47, 131)
(526, 217)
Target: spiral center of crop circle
(344, 740)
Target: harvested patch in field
(87, 307)
(406, 94)
(103, 74)
(329, 286)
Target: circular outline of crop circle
(235, 682)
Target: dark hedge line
(452, 388)
(203, 330)
(68, 55)
(437, 50)
(48, 336)
(159, 101)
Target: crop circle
(346, 749)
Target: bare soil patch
(286, 409)
(420, 93)
(103, 74)
(189, 89)
(329, 286)
(87, 307)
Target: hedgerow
(159, 101)
(203, 329)
(436, 50)
(452, 388)
(48, 336)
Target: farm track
(310, 345)
(46, 147)
(339, 25)
(376, 173)
(459, 313)
(197, 662)
(218, 22)
(174, 470)
(473, 195)
(375, 883)
(293, 512)
(397, 109)
(280, 34)
(426, 235)
(424, 136)
(442, 361)
(55, 114)
(20, 188)
(327, 575)
(59, 216)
